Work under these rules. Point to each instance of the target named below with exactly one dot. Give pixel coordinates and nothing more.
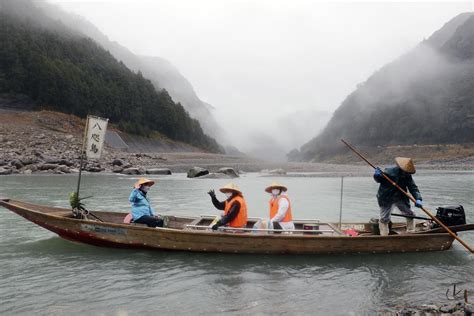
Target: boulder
(429, 308)
(197, 172)
(38, 154)
(216, 175)
(117, 169)
(131, 171)
(16, 163)
(229, 171)
(274, 171)
(5, 171)
(450, 308)
(64, 169)
(51, 160)
(48, 166)
(94, 169)
(407, 311)
(468, 309)
(161, 171)
(141, 170)
(66, 162)
(118, 162)
(28, 161)
(33, 168)
(27, 171)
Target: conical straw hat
(143, 181)
(406, 164)
(230, 187)
(276, 185)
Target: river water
(43, 274)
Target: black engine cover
(451, 215)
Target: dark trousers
(150, 221)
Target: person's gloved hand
(419, 203)
(378, 172)
(212, 193)
(215, 227)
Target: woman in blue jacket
(142, 212)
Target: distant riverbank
(50, 142)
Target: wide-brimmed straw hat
(276, 185)
(142, 181)
(230, 187)
(406, 164)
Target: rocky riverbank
(50, 142)
(450, 308)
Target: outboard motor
(451, 215)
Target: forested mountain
(63, 70)
(424, 97)
(158, 70)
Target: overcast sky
(267, 59)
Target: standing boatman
(389, 196)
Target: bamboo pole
(340, 205)
(411, 198)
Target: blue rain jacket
(140, 204)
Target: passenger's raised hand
(212, 193)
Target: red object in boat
(351, 232)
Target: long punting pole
(411, 198)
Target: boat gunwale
(209, 233)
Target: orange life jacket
(241, 219)
(274, 208)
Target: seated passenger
(234, 207)
(280, 208)
(142, 212)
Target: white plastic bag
(261, 224)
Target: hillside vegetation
(424, 97)
(63, 71)
(161, 73)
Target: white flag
(96, 127)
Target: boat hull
(137, 237)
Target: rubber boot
(410, 225)
(383, 227)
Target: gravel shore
(50, 142)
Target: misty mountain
(158, 70)
(424, 97)
(265, 146)
(63, 70)
(273, 141)
(300, 125)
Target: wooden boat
(194, 234)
